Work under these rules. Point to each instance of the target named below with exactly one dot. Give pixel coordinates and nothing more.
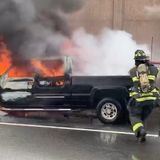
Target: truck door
(51, 93)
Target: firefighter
(143, 94)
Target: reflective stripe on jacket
(150, 77)
(140, 97)
(136, 91)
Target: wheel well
(121, 96)
(116, 95)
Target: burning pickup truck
(107, 95)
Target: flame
(48, 71)
(5, 58)
(24, 71)
(6, 63)
(16, 72)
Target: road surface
(74, 138)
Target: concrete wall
(129, 15)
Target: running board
(34, 109)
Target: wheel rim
(109, 111)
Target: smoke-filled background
(108, 53)
(34, 28)
(104, 44)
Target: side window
(60, 83)
(49, 82)
(49, 73)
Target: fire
(5, 58)
(53, 69)
(47, 71)
(6, 63)
(17, 72)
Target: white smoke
(109, 53)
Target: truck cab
(39, 91)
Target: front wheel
(109, 111)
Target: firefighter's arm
(135, 79)
(135, 90)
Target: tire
(109, 111)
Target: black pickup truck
(107, 95)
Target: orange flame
(6, 62)
(5, 58)
(47, 71)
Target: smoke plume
(36, 28)
(33, 28)
(109, 53)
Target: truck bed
(102, 80)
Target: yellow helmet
(140, 55)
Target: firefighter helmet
(140, 55)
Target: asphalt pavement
(75, 138)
